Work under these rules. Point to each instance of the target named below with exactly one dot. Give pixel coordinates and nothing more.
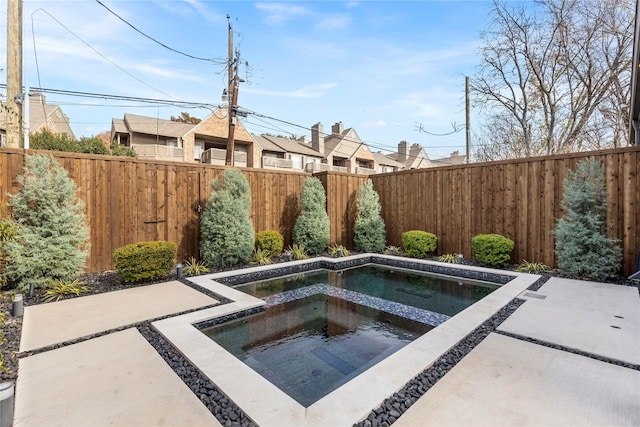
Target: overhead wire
(188, 55)
(93, 49)
(154, 102)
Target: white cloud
(334, 22)
(277, 13)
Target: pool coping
(269, 406)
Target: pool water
(322, 328)
(310, 346)
(438, 294)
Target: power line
(211, 107)
(213, 60)
(93, 49)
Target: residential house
(205, 142)
(455, 159)
(42, 116)
(280, 152)
(386, 164)
(413, 158)
(343, 150)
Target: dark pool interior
(322, 328)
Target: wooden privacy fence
(129, 200)
(519, 199)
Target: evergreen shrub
(227, 232)
(370, 234)
(311, 229)
(51, 240)
(145, 260)
(270, 241)
(492, 249)
(582, 246)
(418, 243)
(7, 232)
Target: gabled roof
(267, 145)
(384, 160)
(155, 126)
(454, 159)
(417, 158)
(118, 125)
(346, 144)
(292, 146)
(217, 125)
(43, 115)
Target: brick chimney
(317, 138)
(337, 129)
(402, 151)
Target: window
(197, 151)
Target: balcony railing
(274, 162)
(365, 171)
(320, 167)
(158, 152)
(218, 156)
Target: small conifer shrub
(582, 246)
(270, 241)
(145, 260)
(51, 240)
(227, 232)
(370, 234)
(311, 229)
(492, 249)
(418, 243)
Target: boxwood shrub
(145, 260)
(492, 249)
(418, 243)
(270, 241)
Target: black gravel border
(223, 408)
(397, 262)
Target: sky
(389, 69)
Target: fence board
(519, 199)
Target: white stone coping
(267, 405)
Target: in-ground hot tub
(267, 404)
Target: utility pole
(15, 97)
(467, 116)
(233, 97)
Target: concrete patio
(119, 379)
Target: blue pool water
(322, 328)
(438, 294)
(311, 346)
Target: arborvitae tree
(369, 231)
(52, 236)
(227, 232)
(312, 226)
(582, 246)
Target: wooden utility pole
(15, 97)
(467, 116)
(233, 98)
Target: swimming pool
(265, 403)
(311, 346)
(322, 328)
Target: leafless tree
(554, 77)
